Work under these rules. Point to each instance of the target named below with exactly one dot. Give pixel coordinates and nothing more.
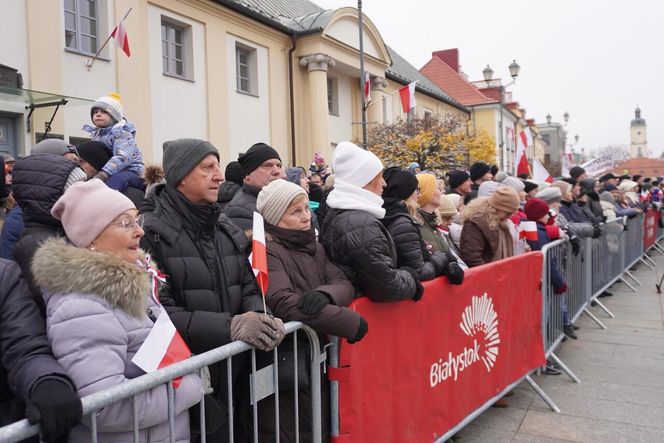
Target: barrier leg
(658, 248)
(649, 259)
(595, 319)
(622, 279)
(542, 394)
(604, 308)
(567, 370)
(630, 275)
(642, 260)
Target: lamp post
(487, 72)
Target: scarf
(505, 243)
(347, 196)
(293, 238)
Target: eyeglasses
(130, 224)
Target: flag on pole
(367, 88)
(528, 230)
(258, 256)
(540, 173)
(521, 161)
(121, 39)
(162, 347)
(407, 94)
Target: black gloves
(56, 406)
(439, 261)
(597, 231)
(312, 302)
(419, 289)
(576, 245)
(361, 331)
(454, 273)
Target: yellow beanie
(427, 184)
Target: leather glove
(361, 331)
(576, 245)
(259, 330)
(419, 289)
(311, 302)
(101, 175)
(454, 273)
(439, 261)
(56, 407)
(560, 289)
(597, 231)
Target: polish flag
(528, 230)
(407, 94)
(258, 257)
(162, 347)
(540, 173)
(521, 161)
(121, 39)
(367, 88)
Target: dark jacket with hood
(588, 188)
(227, 191)
(556, 279)
(25, 354)
(241, 208)
(209, 278)
(411, 249)
(360, 244)
(38, 182)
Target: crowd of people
(88, 228)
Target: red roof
(649, 167)
(454, 84)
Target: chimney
(449, 56)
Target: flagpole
(90, 62)
(365, 143)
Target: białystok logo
(479, 321)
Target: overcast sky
(594, 59)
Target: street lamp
(566, 116)
(514, 69)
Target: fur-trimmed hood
(60, 267)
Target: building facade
(638, 146)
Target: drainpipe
(292, 98)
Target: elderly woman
(304, 286)
(401, 220)
(99, 312)
(486, 234)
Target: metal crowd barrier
(264, 386)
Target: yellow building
(235, 73)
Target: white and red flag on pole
(258, 257)
(540, 173)
(407, 94)
(367, 88)
(121, 39)
(528, 230)
(521, 161)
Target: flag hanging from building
(367, 88)
(540, 173)
(121, 39)
(521, 160)
(162, 347)
(528, 230)
(407, 94)
(258, 256)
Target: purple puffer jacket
(120, 141)
(96, 319)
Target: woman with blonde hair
(486, 234)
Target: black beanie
(636, 177)
(478, 170)
(258, 154)
(94, 152)
(576, 171)
(457, 178)
(400, 184)
(494, 170)
(181, 156)
(233, 173)
(529, 186)
(571, 181)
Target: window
(81, 30)
(172, 49)
(77, 141)
(246, 72)
(333, 96)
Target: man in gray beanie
(211, 295)
(260, 165)
(56, 146)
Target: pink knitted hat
(87, 208)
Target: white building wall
(249, 115)
(14, 38)
(179, 106)
(341, 128)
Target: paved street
(621, 395)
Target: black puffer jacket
(38, 182)
(411, 249)
(241, 209)
(25, 354)
(359, 243)
(593, 204)
(227, 191)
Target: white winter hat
(354, 165)
(487, 188)
(515, 183)
(111, 104)
(275, 198)
(627, 185)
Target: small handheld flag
(258, 257)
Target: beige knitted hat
(274, 199)
(447, 207)
(505, 198)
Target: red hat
(535, 209)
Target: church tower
(638, 146)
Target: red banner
(425, 366)
(649, 228)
